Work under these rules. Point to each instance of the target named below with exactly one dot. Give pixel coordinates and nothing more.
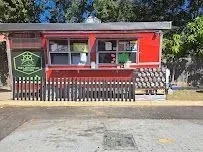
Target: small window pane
(107, 58)
(59, 58)
(126, 57)
(58, 45)
(79, 46)
(106, 45)
(130, 45)
(79, 58)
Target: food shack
(87, 55)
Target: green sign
(27, 63)
(123, 57)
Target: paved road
(106, 128)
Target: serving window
(69, 51)
(107, 51)
(117, 51)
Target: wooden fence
(73, 89)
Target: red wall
(99, 74)
(149, 46)
(149, 56)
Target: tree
(194, 8)
(18, 11)
(114, 11)
(193, 37)
(60, 11)
(172, 53)
(74, 13)
(106, 10)
(189, 44)
(141, 10)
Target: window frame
(68, 52)
(116, 51)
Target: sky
(46, 14)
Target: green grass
(189, 95)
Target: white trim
(138, 51)
(147, 63)
(160, 49)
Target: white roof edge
(85, 26)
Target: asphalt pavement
(101, 129)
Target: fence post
(44, 88)
(114, 89)
(14, 87)
(56, 90)
(48, 89)
(65, 89)
(52, 88)
(60, 88)
(37, 79)
(21, 86)
(126, 90)
(106, 89)
(110, 90)
(72, 87)
(76, 89)
(41, 88)
(33, 89)
(29, 88)
(80, 90)
(133, 88)
(91, 88)
(25, 86)
(99, 90)
(84, 90)
(68, 92)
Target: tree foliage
(74, 13)
(178, 11)
(17, 11)
(112, 11)
(192, 36)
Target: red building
(70, 48)
(96, 50)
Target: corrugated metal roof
(115, 26)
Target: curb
(11, 103)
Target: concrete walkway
(5, 100)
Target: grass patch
(189, 95)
